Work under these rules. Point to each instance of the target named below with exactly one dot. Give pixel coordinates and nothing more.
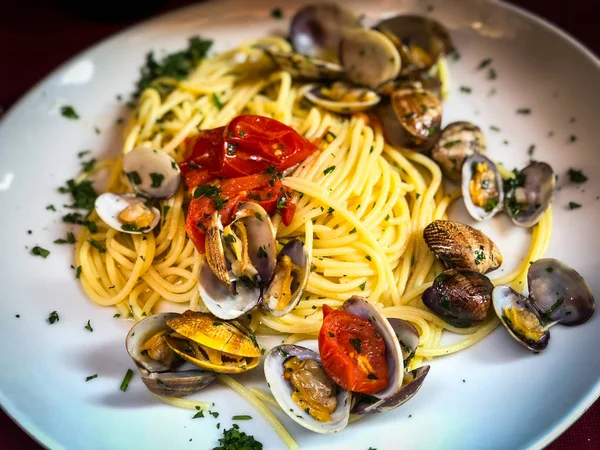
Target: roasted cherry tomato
(352, 352)
(239, 155)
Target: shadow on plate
(501, 348)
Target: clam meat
(482, 187)
(342, 98)
(126, 213)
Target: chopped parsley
(233, 439)
(356, 343)
(549, 269)
(199, 415)
(91, 377)
(452, 143)
(546, 314)
(328, 170)
(362, 286)
(217, 102)
(352, 231)
(330, 210)
(524, 111)
(126, 380)
(51, 208)
(69, 112)
(88, 327)
(241, 417)
(490, 204)
(492, 74)
(577, 176)
(479, 256)
(573, 205)
(368, 257)
(78, 272)
(484, 63)
(261, 252)
(445, 303)
(83, 193)
(69, 240)
(531, 150)
(231, 148)
(212, 192)
(82, 153)
(88, 166)
(175, 65)
(494, 128)
(572, 138)
(466, 89)
(53, 317)
(277, 13)
(94, 243)
(39, 251)
(157, 179)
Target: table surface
(57, 30)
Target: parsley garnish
(83, 193)
(577, 176)
(176, 65)
(330, 210)
(126, 380)
(39, 251)
(230, 238)
(212, 192)
(217, 102)
(572, 138)
(356, 344)
(241, 417)
(157, 179)
(231, 148)
(91, 377)
(88, 166)
(479, 256)
(69, 112)
(362, 286)
(53, 317)
(352, 231)
(573, 205)
(328, 170)
(94, 243)
(51, 208)
(277, 13)
(466, 89)
(452, 143)
(78, 272)
(134, 178)
(70, 239)
(82, 153)
(89, 327)
(233, 439)
(261, 252)
(524, 111)
(483, 64)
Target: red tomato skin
(341, 367)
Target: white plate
(492, 395)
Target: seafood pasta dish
(300, 187)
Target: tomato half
(352, 352)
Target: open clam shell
(305, 68)
(282, 390)
(559, 293)
(420, 40)
(152, 173)
(109, 207)
(316, 30)
(520, 318)
(458, 141)
(482, 187)
(140, 333)
(530, 194)
(407, 336)
(289, 280)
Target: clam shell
(468, 169)
(458, 141)
(305, 68)
(460, 246)
(316, 96)
(559, 293)
(297, 252)
(282, 391)
(503, 296)
(109, 206)
(460, 297)
(140, 333)
(178, 384)
(525, 204)
(407, 336)
(404, 394)
(152, 173)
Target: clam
(412, 118)
(520, 318)
(289, 279)
(402, 386)
(407, 336)
(368, 57)
(460, 297)
(460, 246)
(316, 30)
(152, 173)
(458, 141)
(126, 213)
(239, 262)
(342, 98)
(302, 67)
(421, 41)
(559, 293)
(147, 347)
(482, 187)
(528, 195)
(209, 343)
(304, 391)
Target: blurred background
(38, 36)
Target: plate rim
(544, 438)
